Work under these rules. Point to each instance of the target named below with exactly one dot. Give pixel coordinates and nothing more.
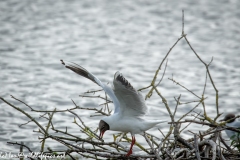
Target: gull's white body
(129, 104)
(134, 125)
(234, 124)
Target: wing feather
(83, 72)
(131, 101)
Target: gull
(232, 123)
(129, 105)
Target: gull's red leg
(130, 150)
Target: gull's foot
(129, 153)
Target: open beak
(101, 134)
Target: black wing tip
(79, 70)
(71, 65)
(120, 78)
(116, 74)
(62, 62)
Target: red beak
(101, 134)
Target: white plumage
(129, 105)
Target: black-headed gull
(232, 123)
(129, 105)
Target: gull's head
(103, 126)
(228, 117)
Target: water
(105, 36)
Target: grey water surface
(107, 36)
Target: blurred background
(105, 36)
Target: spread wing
(131, 101)
(83, 72)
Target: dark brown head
(228, 117)
(103, 126)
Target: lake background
(105, 36)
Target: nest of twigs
(203, 145)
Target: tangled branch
(208, 144)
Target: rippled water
(105, 36)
